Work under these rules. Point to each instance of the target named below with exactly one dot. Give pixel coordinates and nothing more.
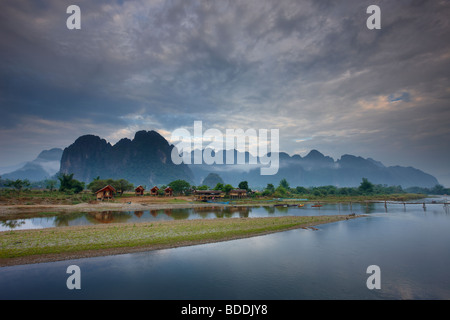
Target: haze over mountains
(45, 166)
(146, 160)
(316, 169)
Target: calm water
(50, 219)
(409, 244)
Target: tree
(17, 184)
(227, 188)
(438, 189)
(284, 184)
(97, 184)
(280, 192)
(301, 190)
(243, 185)
(122, 185)
(270, 188)
(180, 186)
(69, 184)
(365, 187)
(50, 184)
(219, 186)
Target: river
(409, 244)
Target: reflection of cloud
(409, 289)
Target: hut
(154, 191)
(168, 192)
(238, 193)
(205, 195)
(139, 191)
(106, 192)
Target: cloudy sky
(311, 69)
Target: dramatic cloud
(311, 69)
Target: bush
(69, 184)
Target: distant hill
(316, 169)
(43, 167)
(145, 160)
(212, 180)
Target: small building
(238, 193)
(168, 192)
(106, 193)
(205, 195)
(154, 191)
(139, 191)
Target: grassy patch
(22, 243)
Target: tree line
(66, 183)
(365, 188)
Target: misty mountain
(9, 169)
(316, 169)
(212, 180)
(145, 160)
(45, 166)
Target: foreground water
(409, 244)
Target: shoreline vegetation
(56, 244)
(23, 208)
(35, 201)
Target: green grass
(32, 197)
(22, 243)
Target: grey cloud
(302, 66)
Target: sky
(311, 69)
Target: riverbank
(25, 207)
(22, 211)
(54, 244)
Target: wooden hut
(106, 192)
(238, 193)
(139, 191)
(204, 195)
(168, 192)
(154, 191)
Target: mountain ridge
(146, 159)
(141, 160)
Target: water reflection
(108, 217)
(12, 224)
(64, 220)
(217, 212)
(411, 249)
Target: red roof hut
(139, 191)
(154, 191)
(168, 191)
(106, 193)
